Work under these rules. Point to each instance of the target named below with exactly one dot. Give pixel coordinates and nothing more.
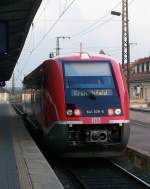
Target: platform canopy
(15, 19)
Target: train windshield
(88, 75)
(90, 84)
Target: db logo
(96, 119)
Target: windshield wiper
(91, 95)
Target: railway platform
(140, 131)
(22, 165)
(140, 107)
(138, 148)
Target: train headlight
(110, 112)
(77, 112)
(118, 111)
(69, 112)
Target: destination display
(90, 92)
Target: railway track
(98, 174)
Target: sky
(87, 22)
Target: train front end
(96, 117)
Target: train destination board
(89, 92)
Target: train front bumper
(73, 139)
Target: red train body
(80, 103)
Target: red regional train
(80, 104)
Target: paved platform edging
(141, 159)
(140, 109)
(33, 169)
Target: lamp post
(116, 13)
(125, 39)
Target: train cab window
(95, 75)
(87, 69)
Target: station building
(4, 95)
(140, 81)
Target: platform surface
(140, 132)
(22, 166)
(8, 171)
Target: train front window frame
(77, 76)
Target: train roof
(83, 56)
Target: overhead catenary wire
(132, 1)
(88, 29)
(54, 24)
(96, 22)
(43, 10)
(65, 4)
(98, 26)
(28, 57)
(99, 22)
(46, 34)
